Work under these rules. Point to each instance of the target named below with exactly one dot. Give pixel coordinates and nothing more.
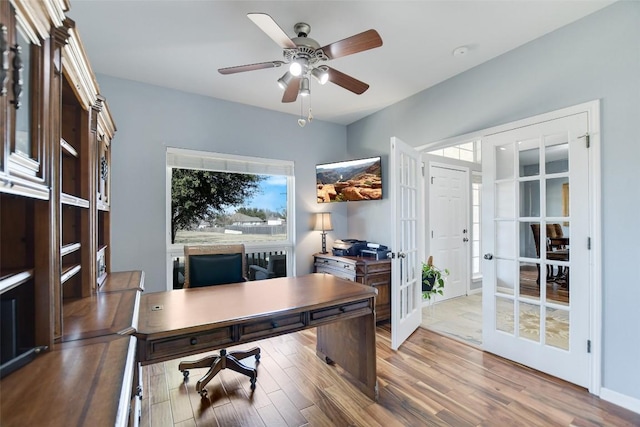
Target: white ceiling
(180, 44)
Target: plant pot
(427, 283)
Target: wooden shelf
(68, 148)
(11, 279)
(68, 272)
(71, 247)
(68, 199)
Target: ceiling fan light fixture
(304, 87)
(283, 81)
(298, 66)
(321, 74)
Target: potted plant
(432, 279)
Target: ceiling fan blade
(273, 30)
(291, 92)
(346, 81)
(360, 42)
(250, 67)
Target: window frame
(231, 163)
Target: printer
(375, 250)
(348, 247)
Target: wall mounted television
(349, 181)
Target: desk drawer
(343, 274)
(271, 326)
(188, 343)
(338, 310)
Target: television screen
(349, 181)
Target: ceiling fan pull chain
(301, 120)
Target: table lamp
(323, 223)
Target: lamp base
(324, 243)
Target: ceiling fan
(306, 58)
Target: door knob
(488, 256)
(466, 239)
(402, 255)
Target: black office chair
(276, 267)
(209, 266)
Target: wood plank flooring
(431, 381)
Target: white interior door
(407, 218)
(537, 279)
(449, 226)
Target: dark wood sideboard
(368, 271)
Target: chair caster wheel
(253, 383)
(203, 393)
(257, 357)
(185, 374)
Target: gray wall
(597, 57)
(150, 118)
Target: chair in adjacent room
(212, 265)
(276, 267)
(558, 251)
(551, 255)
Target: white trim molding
(627, 402)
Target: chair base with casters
(221, 361)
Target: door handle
(466, 239)
(402, 255)
(488, 256)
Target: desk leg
(351, 343)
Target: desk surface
(195, 309)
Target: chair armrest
(258, 272)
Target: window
(469, 152)
(218, 198)
(476, 224)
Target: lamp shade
(323, 221)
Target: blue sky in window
(272, 194)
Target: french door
(406, 182)
(536, 222)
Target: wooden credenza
(368, 271)
(91, 377)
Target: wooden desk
(184, 322)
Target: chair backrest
(535, 229)
(208, 265)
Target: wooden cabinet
(24, 53)
(57, 300)
(27, 216)
(368, 271)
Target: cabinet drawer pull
(194, 341)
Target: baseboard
(627, 402)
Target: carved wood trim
(4, 59)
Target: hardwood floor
(431, 381)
